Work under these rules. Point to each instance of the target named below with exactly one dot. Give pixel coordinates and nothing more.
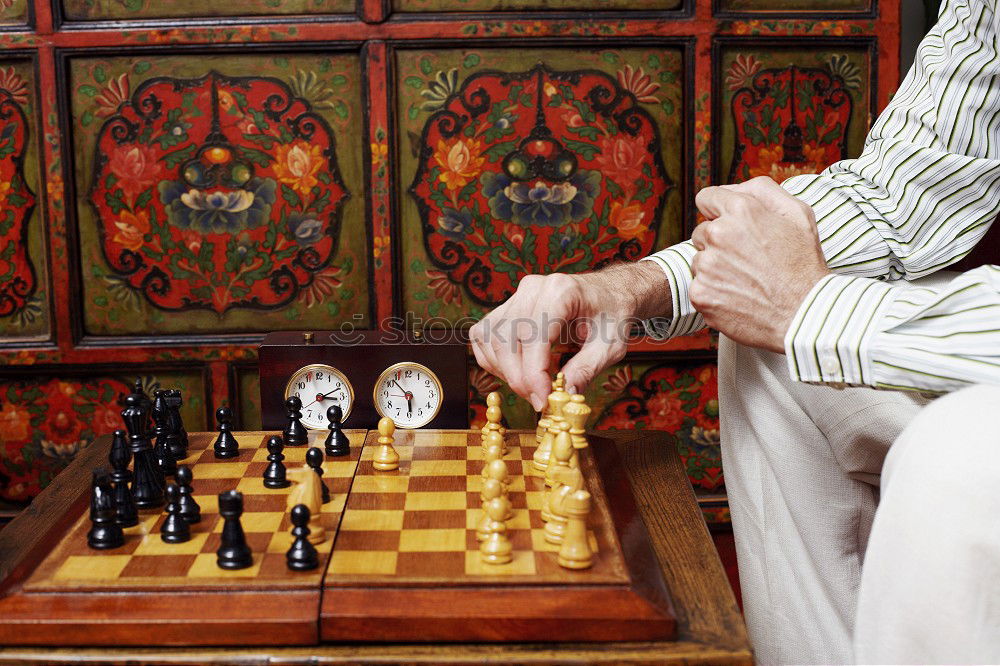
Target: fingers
(595, 355)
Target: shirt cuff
(829, 338)
(676, 266)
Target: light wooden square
(435, 501)
(254, 485)
(535, 499)
(264, 521)
(519, 521)
(363, 562)
(205, 567)
(86, 567)
(474, 483)
(436, 540)
(339, 468)
(380, 484)
(374, 519)
(152, 544)
(437, 468)
(208, 503)
(523, 564)
(441, 439)
(220, 470)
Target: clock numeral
(302, 385)
(408, 374)
(319, 375)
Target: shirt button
(830, 365)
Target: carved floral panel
(791, 7)
(532, 5)
(45, 421)
(23, 280)
(84, 10)
(790, 112)
(532, 161)
(226, 188)
(13, 12)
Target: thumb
(593, 357)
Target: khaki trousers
(803, 468)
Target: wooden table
(710, 628)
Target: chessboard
(401, 560)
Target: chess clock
(417, 380)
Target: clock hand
(322, 396)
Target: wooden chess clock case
(361, 356)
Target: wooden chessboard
(400, 563)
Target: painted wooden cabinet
(178, 177)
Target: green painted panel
(13, 12)
(532, 5)
(792, 6)
(90, 10)
(220, 193)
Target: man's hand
(513, 342)
(759, 256)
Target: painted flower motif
(4, 190)
(105, 419)
(705, 437)
(113, 96)
(379, 153)
(666, 412)
(444, 289)
(572, 118)
(296, 165)
(640, 84)
(618, 380)
(323, 286)
(621, 160)
(12, 83)
(192, 240)
(63, 427)
(482, 382)
(841, 65)
(309, 86)
(246, 125)
(220, 211)
(381, 244)
(539, 203)
(742, 70)
(131, 227)
(514, 233)
(439, 90)
(549, 89)
(64, 452)
(505, 120)
(769, 163)
(305, 230)
(455, 223)
(15, 423)
(628, 220)
(460, 161)
(136, 168)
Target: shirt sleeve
(857, 330)
(922, 193)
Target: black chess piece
(233, 553)
(174, 529)
(126, 512)
(302, 556)
(295, 433)
(164, 454)
(147, 479)
(226, 445)
(145, 404)
(314, 458)
(274, 475)
(105, 532)
(337, 443)
(190, 510)
(175, 425)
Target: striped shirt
(922, 193)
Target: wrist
(629, 289)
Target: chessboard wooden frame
(640, 610)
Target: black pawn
(190, 510)
(274, 475)
(226, 445)
(105, 532)
(302, 556)
(147, 481)
(126, 512)
(233, 552)
(314, 458)
(295, 433)
(174, 529)
(337, 443)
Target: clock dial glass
(319, 387)
(409, 394)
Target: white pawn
(556, 400)
(497, 469)
(492, 489)
(575, 552)
(494, 450)
(386, 458)
(561, 452)
(493, 418)
(497, 548)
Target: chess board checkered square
(522, 564)
(176, 565)
(432, 540)
(205, 566)
(438, 519)
(435, 501)
(436, 484)
(419, 564)
(379, 485)
(374, 519)
(86, 567)
(366, 562)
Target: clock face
(319, 387)
(409, 394)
